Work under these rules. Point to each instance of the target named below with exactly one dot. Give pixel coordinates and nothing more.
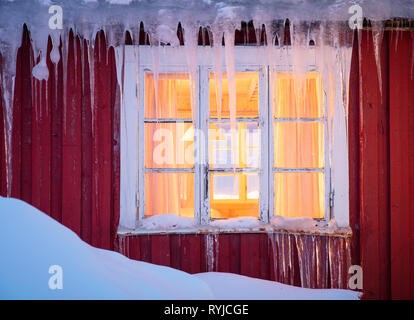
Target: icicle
(7, 82)
(218, 70)
(271, 236)
(54, 54)
(212, 251)
(377, 35)
(231, 78)
(155, 65)
(191, 49)
(40, 71)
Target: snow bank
(167, 222)
(304, 224)
(238, 223)
(32, 242)
(226, 286)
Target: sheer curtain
(168, 146)
(299, 146)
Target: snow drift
(32, 242)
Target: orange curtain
(168, 145)
(299, 144)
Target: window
(182, 152)
(169, 145)
(233, 172)
(299, 146)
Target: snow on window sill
(178, 225)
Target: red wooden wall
(311, 261)
(65, 161)
(381, 136)
(65, 137)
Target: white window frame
(139, 59)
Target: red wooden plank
(133, 249)
(249, 257)
(160, 250)
(190, 253)
(273, 257)
(401, 58)
(224, 253)
(86, 147)
(71, 140)
(102, 147)
(56, 89)
(203, 253)
(306, 259)
(294, 262)
(16, 132)
(235, 253)
(36, 161)
(283, 255)
(175, 249)
(145, 248)
(45, 197)
(22, 122)
(374, 162)
(41, 140)
(3, 173)
(264, 256)
(322, 259)
(26, 166)
(116, 155)
(353, 151)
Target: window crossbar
(168, 170)
(227, 120)
(299, 119)
(298, 169)
(167, 120)
(232, 170)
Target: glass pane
(234, 195)
(252, 186)
(299, 194)
(169, 193)
(174, 96)
(225, 187)
(298, 145)
(247, 95)
(169, 145)
(298, 96)
(247, 145)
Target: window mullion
(204, 194)
(197, 148)
(141, 146)
(264, 145)
(271, 82)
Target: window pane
(174, 96)
(169, 193)
(247, 95)
(299, 194)
(299, 145)
(234, 195)
(298, 96)
(247, 145)
(169, 145)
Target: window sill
(321, 230)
